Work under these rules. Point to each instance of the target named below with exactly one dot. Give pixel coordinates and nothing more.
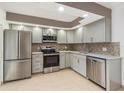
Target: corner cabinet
(61, 37)
(37, 35)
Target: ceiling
(49, 10)
(45, 10)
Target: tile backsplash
(112, 48)
(36, 47)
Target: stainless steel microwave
(47, 38)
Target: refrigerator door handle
(18, 45)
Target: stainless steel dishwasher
(96, 70)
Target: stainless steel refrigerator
(17, 55)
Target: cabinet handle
(91, 39)
(78, 60)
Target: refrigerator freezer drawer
(17, 69)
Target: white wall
(3, 25)
(118, 31)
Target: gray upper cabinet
(70, 36)
(37, 35)
(78, 35)
(61, 36)
(20, 27)
(49, 32)
(95, 32)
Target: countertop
(35, 53)
(103, 56)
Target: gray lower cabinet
(75, 61)
(78, 63)
(37, 62)
(82, 65)
(62, 60)
(113, 74)
(68, 64)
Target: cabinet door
(70, 36)
(62, 60)
(50, 32)
(95, 32)
(78, 35)
(76, 67)
(37, 35)
(37, 63)
(61, 36)
(53, 32)
(68, 63)
(1, 43)
(74, 62)
(71, 60)
(82, 65)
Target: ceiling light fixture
(61, 9)
(85, 15)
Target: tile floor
(64, 80)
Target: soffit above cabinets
(111, 5)
(49, 10)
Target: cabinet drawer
(37, 60)
(37, 56)
(36, 70)
(37, 64)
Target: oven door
(51, 60)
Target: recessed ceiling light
(85, 15)
(61, 9)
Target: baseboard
(1, 83)
(122, 86)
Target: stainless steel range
(51, 60)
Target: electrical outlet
(104, 49)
